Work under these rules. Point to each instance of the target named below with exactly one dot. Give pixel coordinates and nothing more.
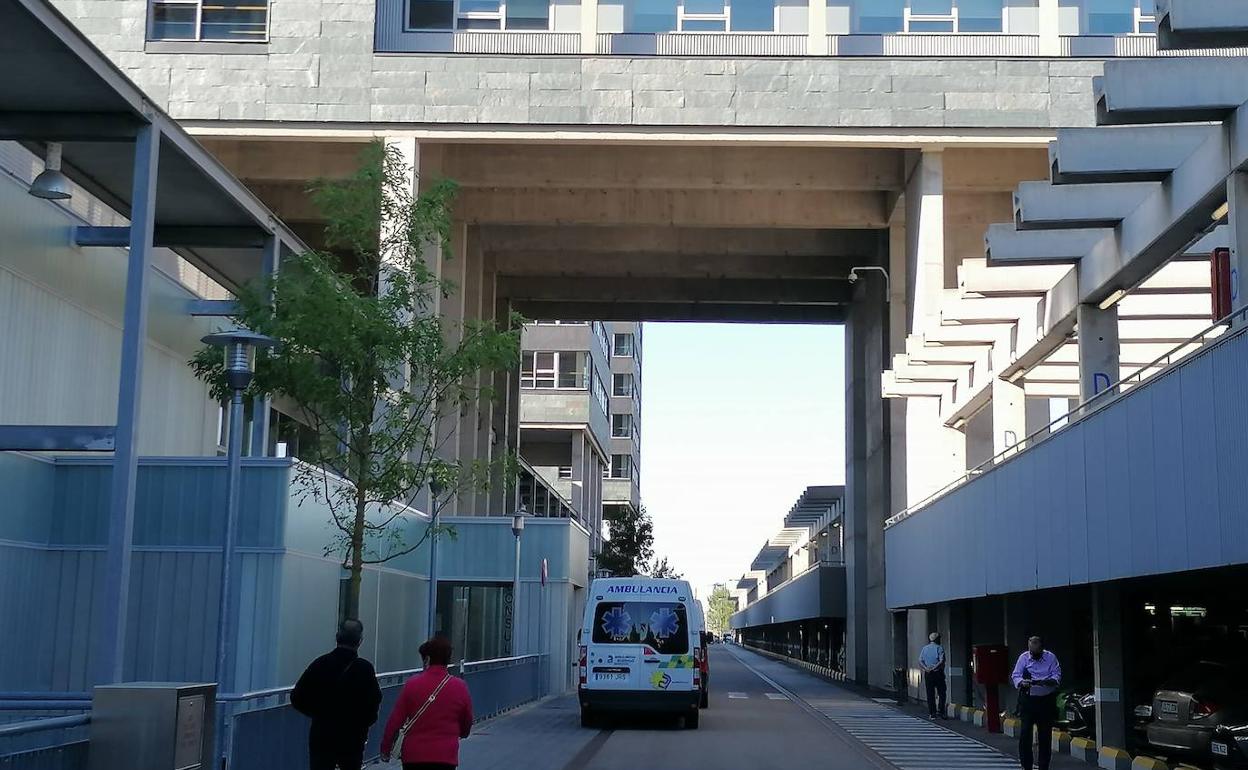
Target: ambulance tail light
(584, 665)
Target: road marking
(737, 696)
(777, 696)
(907, 742)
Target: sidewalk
(550, 729)
(902, 734)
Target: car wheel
(691, 720)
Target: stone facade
(319, 65)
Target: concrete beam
(744, 291)
(1186, 24)
(1042, 206)
(1170, 90)
(662, 265)
(1006, 245)
(288, 160)
(683, 311)
(906, 370)
(633, 239)
(975, 276)
(1129, 154)
(497, 166)
(987, 169)
(893, 388)
(690, 208)
(917, 349)
(956, 307)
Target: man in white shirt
(932, 662)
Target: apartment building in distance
(622, 485)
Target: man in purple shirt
(1037, 675)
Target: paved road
(763, 715)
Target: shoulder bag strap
(407, 724)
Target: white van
(641, 649)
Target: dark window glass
(570, 366)
(931, 7)
(662, 625)
(431, 14)
(480, 23)
(1111, 17)
(704, 25)
(979, 15)
(173, 21)
(528, 14)
(931, 26)
(238, 21)
(754, 16)
(880, 17)
(650, 16)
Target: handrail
(44, 705)
(42, 725)
(1079, 413)
(462, 666)
(42, 695)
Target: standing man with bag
(433, 713)
(339, 692)
(1037, 675)
(932, 662)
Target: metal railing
(935, 45)
(1195, 345)
(49, 743)
(264, 732)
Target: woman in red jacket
(442, 709)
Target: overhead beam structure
(1207, 24)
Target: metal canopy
(58, 87)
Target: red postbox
(991, 664)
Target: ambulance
(641, 650)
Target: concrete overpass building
(770, 162)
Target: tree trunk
(357, 556)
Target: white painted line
(777, 696)
(889, 701)
(737, 696)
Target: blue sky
(736, 421)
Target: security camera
(853, 276)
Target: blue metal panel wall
(485, 549)
(50, 578)
(819, 593)
(1155, 482)
(27, 484)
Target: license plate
(1220, 749)
(1169, 707)
(612, 677)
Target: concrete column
(958, 649)
(1237, 198)
(1050, 28)
(817, 30)
(1009, 415)
(1016, 618)
(589, 26)
(1109, 670)
(1098, 349)
(925, 237)
(469, 412)
(867, 487)
(580, 463)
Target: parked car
(1229, 745)
(1191, 705)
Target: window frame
(628, 391)
(908, 17)
(1138, 20)
(457, 16)
(150, 37)
(628, 420)
(632, 345)
(530, 374)
(614, 471)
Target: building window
(621, 425)
(621, 466)
(565, 370)
(228, 21)
(434, 15)
(477, 618)
(885, 17)
(623, 345)
(600, 394)
(1119, 17)
(622, 385)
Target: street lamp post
(517, 529)
(435, 491)
(240, 346)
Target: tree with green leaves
(631, 546)
(367, 362)
(661, 569)
(720, 608)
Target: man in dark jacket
(339, 692)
